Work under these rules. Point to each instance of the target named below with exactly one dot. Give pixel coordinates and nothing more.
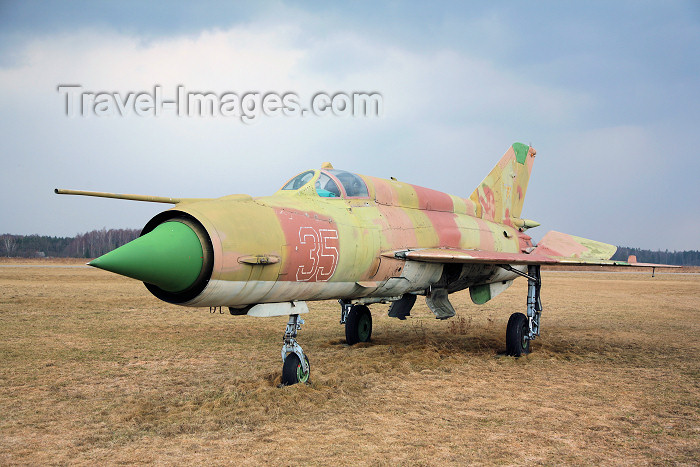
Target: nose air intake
(170, 257)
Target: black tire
(358, 325)
(517, 343)
(292, 372)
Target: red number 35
(320, 248)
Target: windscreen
(299, 181)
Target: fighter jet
(332, 234)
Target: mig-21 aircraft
(331, 234)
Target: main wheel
(517, 342)
(293, 372)
(358, 325)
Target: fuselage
(308, 243)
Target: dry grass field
(94, 370)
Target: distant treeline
(87, 245)
(98, 242)
(679, 258)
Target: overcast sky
(607, 93)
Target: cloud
(449, 113)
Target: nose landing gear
(296, 368)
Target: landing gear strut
(296, 367)
(358, 322)
(522, 329)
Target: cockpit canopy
(330, 183)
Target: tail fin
(499, 197)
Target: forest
(84, 245)
(678, 258)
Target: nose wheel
(296, 368)
(293, 371)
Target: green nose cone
(169, 257)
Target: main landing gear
(358, 322)
(296, 368)
(522, 329)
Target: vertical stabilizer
(499, 197)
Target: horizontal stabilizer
(560, 245)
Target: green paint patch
(480, 294)
(596, 250)
(520, 152)
(169, 257)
